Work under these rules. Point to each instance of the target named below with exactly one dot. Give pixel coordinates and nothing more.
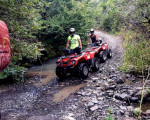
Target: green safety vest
(74, 41)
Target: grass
(137, 53)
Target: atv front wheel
(95, 66)
(109, 53)
(83, 70)
(103, 56)
(60, 73)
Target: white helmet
(99, 38)
(72, 30)
(92, 30)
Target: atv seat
(95, 44)
(72, 51)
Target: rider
(92, 38)
(74, 41)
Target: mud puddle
(65, 92)
(50, 65)
(45, 71)
(46, 77)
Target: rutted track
(87, 100)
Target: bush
(137, 52)
(24, 50)
(21, 52)
(14, 72)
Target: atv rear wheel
(83, 70)
(60, 73)
(109, 53)
(95, 66)
(103, 56)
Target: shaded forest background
(42, 25)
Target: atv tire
(83, 70)
(103, 56)
(109, 53)
(60, 73)
(95, 66)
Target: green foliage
(23, 50)
(135, 112)
(109, 16)
(109, 118)
(136, 57)
(131, 19)
(22, 17)
(23, 20)
(62, 15)
(148, 90)
(110, 114)
(13, 72)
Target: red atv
(83, 61)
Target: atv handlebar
(72, 51)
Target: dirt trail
(41, 98)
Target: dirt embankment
(44, 98)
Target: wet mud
(65, 92)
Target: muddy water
(65, 92)
(50, 65)
(46, 71)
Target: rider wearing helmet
(92, 38)
(74, 41)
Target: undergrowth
(137, 52)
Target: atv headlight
(58, 63)
(88, 57)
(73, 62)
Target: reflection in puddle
(46, 71)
(47, 77)
(65, 92)
(50, 65)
